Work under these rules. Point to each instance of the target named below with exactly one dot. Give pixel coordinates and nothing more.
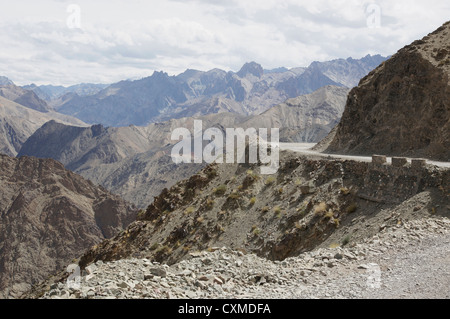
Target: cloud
(131, 39)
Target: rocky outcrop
(402, 108)
(49, 216)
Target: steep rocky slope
(403, 106)
(249, 91)
(48, 216)
(307, 204)
(18, 123)
(404, 261)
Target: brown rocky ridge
(49, 216)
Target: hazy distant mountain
(250, 91)
(402, 108)
(52, 92)
(307, 118)
(135, 161)
(24, 97)
(5, 81)
(18, 123)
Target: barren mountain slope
(48, 216)
(305, 119)
(308, 203)
(403, 106)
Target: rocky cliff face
(402, 107)
(49, 216)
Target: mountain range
(50, 93)
(250, 91)
(136, 162)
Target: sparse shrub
(140, 214)
(329, 214)
(346, 240)
(201, 219)
(302, 210)
(334, 245)
(270, 180)
(265, 209)
(345, 191)
(234, 195)
(278, 211)
(280, 190)
(336, 222)
(253, 201)
(253, 175)
(300, 226)
(298, 182)
(320, 209)
(256, 231)
(220, 228)
(220, 190)
(352, 208)
(211, 173)
(209, 203)
(165, 250)
(189, 210)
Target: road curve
(305, 149)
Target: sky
(104, 41)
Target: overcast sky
(104, 41)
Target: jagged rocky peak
(5, 81)
(252, 68)
(402, 108)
